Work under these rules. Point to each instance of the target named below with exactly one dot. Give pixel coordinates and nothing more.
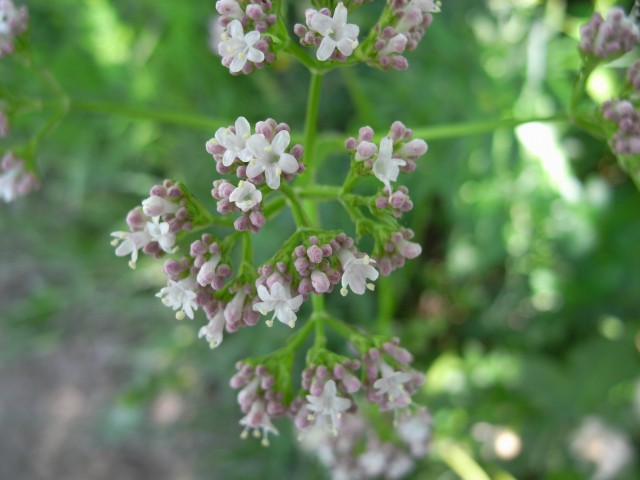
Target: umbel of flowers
(603, 39)
(256, 172)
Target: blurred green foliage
(522, 310)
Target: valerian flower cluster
(17, 175)
(607, 38)
(255, 172)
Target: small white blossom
(356, 272)
(239, 47)
(328, 406)
(9, 182)
(180, 296)
(213, 331)
(392, 385)
(128, 243)
(234, 142)
(160, 232)
(259, 420)
(271, 158)
(230, 9)
(386, 168)
(280, 302)
(336, 31)
(246, 196)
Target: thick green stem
(310, 138)
(299, 214)
(142, 113)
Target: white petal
(327, 46)
(281, 142)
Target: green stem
(319, 315)
(297, 339)
(580, 83)
(310, 138)
(386, 305)
(440, 132)
(142, 113)
(247, 254)
(319, 192)
(299, 214)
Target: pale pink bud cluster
(4, 124)
(360, 453)
(244, 45)
(633, 75)
(317, 273)
(405, 147)
(396, 250)
(609, 38)
(245, 198)
(15, 179)
(335, 38)
(170, 203)
(13, 22)
(193, 282)
(397, 202)
(258, 400)
(404, 32)
(390, 387)
(627, 138)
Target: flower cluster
(255, 158)
(13, 22)
(606, 39)
(335, 38)
(403, 32)
(244, 45)
(360, 453)
(15, 179)
(397, 249)
(328, 404)
(633, 76)
(153, 225)
(397, 151)
(258, 400)
(626, 140)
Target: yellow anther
(292, 323)
(371, 286)
(132, 264)
(180, 315)
(344, 291)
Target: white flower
(160, 233)
(328, 406)
(213, 331)
(9, 182)
(259, 420)
(336, 31)
(246, 196)
(415, 430)
(233, 311)
(280, 302)
(156, 206)
(356, 272)
(13, 21)
(392, 385)
(180, 296)
(234, 142)
(128, 243)
(271, 158)
(386, 168)
(239, 47)
(207, 271)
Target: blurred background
(522, 310)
